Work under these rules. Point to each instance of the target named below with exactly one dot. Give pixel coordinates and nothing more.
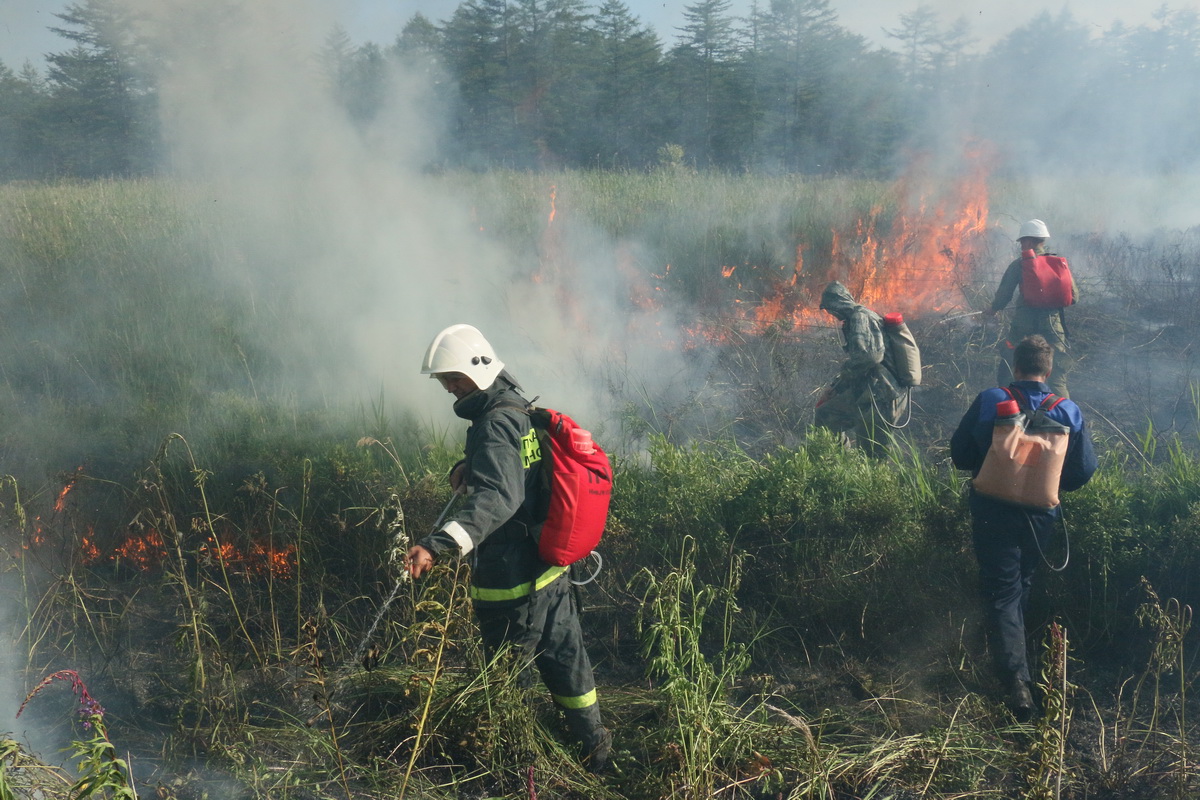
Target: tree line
(561, 83)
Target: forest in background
(562, 83)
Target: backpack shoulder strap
(1021, 398)
(1050, 406)
(1047, 405)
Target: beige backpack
(1025, 460)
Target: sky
(24, 24)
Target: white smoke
(342, 220)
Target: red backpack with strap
(1045, 281)
(580, 480)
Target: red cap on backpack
(894, 318)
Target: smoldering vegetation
(200, 520)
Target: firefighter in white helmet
(519, 600)
(1027, 319)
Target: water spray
(360, 654)
(960, 316)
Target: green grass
(805, 612)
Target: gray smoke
(341, 218)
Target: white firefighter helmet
(462, 348)
(1033, 229)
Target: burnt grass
(850, 586)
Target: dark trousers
(1007, 540)
(544, 628)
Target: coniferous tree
(478, 41)
(626, 64)
(335, 57)
(22, 100)
(418, 52)
(1040, 98)
(793, 62)
(548, 69)
(709, 81)
(1154, 78)
(365, 82)
(936, 68)
(102, 105)
(419, 45)
(862, 119)
(918, 37)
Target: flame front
(259, 559)
(916, 267)
(145, 551)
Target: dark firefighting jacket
(497, 525)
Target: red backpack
(580, 480)
(1045, 281)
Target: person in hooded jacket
(865, 399)
(519, 600)
(1009, 539)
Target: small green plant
(1170, 622)
(1049, 746)
(10, 749)
(101, 773)
(670, 156)
(703, 737)
(311, 651)
(437, 631)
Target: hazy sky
(24, 23)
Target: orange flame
(88, 548)
(916, 267)
(148, 551)
(61, 502)
(141, 552)
(260, 560)
(919, 267)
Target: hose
(908, 408)
(594, 575)
(1066, 541)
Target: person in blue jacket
(1008, 538)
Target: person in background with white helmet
(519, 600)
(1027, 320)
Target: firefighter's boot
(595, 742)
(1020, 700)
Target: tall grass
(805, 610)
